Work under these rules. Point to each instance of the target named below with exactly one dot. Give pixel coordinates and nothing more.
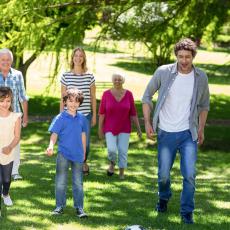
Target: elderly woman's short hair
(6, 51)
(120, 75)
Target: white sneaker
(17, 177)
(7, 200)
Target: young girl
(10, 129)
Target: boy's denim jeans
(118, 143)
(168, 145)
(62, 168)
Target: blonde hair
(83, 66)
(118, 75)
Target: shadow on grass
(217, 74)
(145, 67)
(109, 201)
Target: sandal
(109, 171)
(85, 169)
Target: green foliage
(159, 24)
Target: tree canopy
(56, 24)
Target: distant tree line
(61, 24)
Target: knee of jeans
(163, 180)
(190, 179)
(112, 150)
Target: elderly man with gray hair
(13, 78)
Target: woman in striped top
(79, 77)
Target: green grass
(113, 204)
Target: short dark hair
(185, 44)
(6, 92)
(74, 92)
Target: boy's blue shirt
(69, 130)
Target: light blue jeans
(118, 143)
(62, 168)
(168, 145)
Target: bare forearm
(202, 119)
(146, 113)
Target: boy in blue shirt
(69, 127)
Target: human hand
(149, 130)
(24, 121)
(100, 134)
(139, 134)
(93, 121)
(49, 151)
(200, 136)
(6, 150)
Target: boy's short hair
(74, 92)
(5, 92)
(185, 44)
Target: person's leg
(62, 166)
(85, 166)
(1, 180)
(6, 181)
(6, 178)
(111, 143)
(167, 149)
(188, 152)
(77, 184)
(77, 187)
(16, 164)
(123, 145)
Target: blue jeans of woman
(168, 145)
(5, 178)
(118, 143)
(62, 168)
(88, 118)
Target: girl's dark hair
(6, 92)
(185, 44)
(73, 92)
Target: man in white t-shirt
(179, 120)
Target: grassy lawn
(114, 204)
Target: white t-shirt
(7, 125)
(174, 114)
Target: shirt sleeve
(133, 111)
(84, 124)
(102, 104)
(21, 89)
(63, 80)
(152, 87)
(56, 125)
(92, 79)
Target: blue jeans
(88, 118)
(62, 168)
(168, 145)
(118, 143)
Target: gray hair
(118, 75)
(6, 51)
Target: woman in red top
(116, 111)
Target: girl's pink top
(117, 113)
